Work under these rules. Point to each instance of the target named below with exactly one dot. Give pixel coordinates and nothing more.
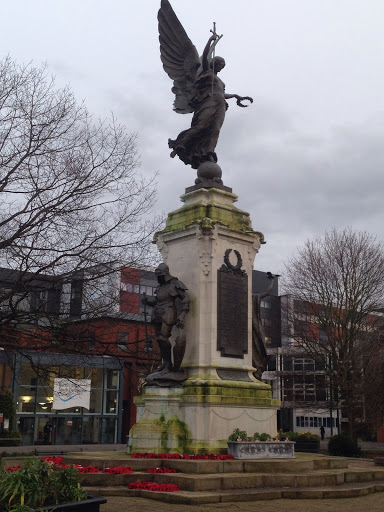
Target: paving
(371, 503)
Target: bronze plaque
(232, 313)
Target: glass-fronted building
(33, 384)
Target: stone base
(199, 416)
(262, 450)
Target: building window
(265, 304)
(136, 288)
(122, 341)
(300, 327)
(147, 290)
(126, 287)
(111, 392)
(271, 365)
(75, 305)
(301, 364)
(5, 376)
(91, 340)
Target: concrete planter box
(308, 446)
(91, 504)
(262, 449)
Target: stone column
(210, 245)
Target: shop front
(40, 424)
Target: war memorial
(209, 333)
(204, 316)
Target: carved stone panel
(232, 309)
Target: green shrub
(37, 484)
(13, 435)
(236, 434)
(7, 407)
(343, 446)
(262, 437)
(300, 436)
(242, 434)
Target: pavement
(371, 503)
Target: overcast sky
(306, 156)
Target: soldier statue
(169, 310)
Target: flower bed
(161, 470)
(58, 462)
(13, 468)
(211, 456)
(87, 469)
(39, 484)
(152, 486)
(118, 470)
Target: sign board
(71, 393)
(6, 424)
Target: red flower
(161, 470)
(179, 456)
(118, 470)
(88, 469)
(56, 460)
(12, 469)
(152, 486)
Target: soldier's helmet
(162, 270)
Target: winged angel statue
(197, 89)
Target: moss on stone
(228, 393)
(176, 428)
(208, 214)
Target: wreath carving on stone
(229, 268)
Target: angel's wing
(179, 57)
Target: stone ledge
(199, 498)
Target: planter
(261, 449)
(308, 446)
(91, 504)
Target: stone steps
(225, 496)
(210, 481)
(212, 466)
(230, 481)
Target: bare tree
(337, 287)
(372, 356)
(73, 203)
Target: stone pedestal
(210, 245)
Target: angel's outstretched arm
(239, 99)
